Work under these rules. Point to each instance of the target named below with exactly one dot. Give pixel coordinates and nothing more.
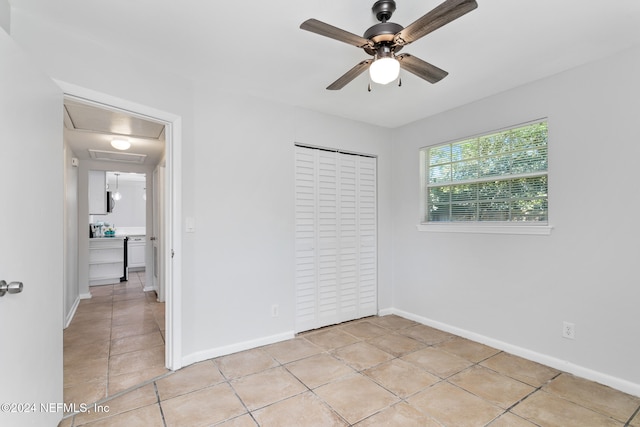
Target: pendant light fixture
(117, 195)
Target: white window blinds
(499, 177)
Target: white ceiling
(256, 46)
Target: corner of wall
(72, 312)
(5, 16)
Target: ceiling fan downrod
(383, 9)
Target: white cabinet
(106, 260)
(97, 193)
(136, 252)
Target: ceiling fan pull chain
(399, 81)
(369, 87)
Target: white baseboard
(71, 313)
(85, 296)
(386, 312)
(553, 362)
(234, 348)
(149, 289)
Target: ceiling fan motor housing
(382, 33)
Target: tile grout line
(108, 397)
(356, 371)
(628, 423)
(362, 371)
(537, 389)
(110, 340)
(155, 389)
(434, 345)
(309, 389)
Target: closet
(336, 243)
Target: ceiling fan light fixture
(385, 39)
(384, 70)
(120, 144)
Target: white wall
(237, 182)
(244, 215)
(77, 61)
(130, 211)
(519, 289)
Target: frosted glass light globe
(384, 70)
(120, 144)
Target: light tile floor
(115, 341)
(377, 371)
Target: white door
(157, 238)
(336, 256)
(31, 246)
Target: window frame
(483, 227)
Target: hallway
(115, 341)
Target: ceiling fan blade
(335, 33)
(421, 68)
(350, 75)
(441, 15)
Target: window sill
(539, 230)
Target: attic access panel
(93, 119)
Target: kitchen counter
(131, 231)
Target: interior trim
(538, 230)
(173, 206)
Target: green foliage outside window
(501, 177)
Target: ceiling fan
(385, 39)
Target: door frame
(171, 251)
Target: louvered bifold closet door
(367, 232)
(336, 256)
(306, 231)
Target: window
(494, 179)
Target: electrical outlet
(275, 310)
(569, 330)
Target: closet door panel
(306, 233)
(328, 238)
(367, 231)
(348, 261)
(336, 256)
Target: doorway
(168, 234)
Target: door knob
(11, 288)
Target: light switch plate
(190, 224)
